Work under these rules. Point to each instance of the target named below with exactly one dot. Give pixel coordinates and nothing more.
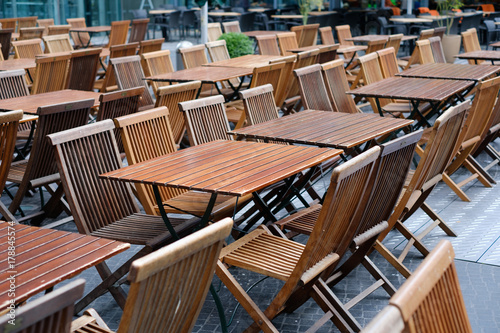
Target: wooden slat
(451, 71)
(206, 74)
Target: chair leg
(7, 215)
(18, 198)
(392, 259)
(455, 188)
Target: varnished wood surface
(451, 71)
(45, 257)
(257, 33)
(247, 61)
(324, 129)
(103, 28)
(351, 48)
(223, 14)
(226, 167)
(12, 64)
(369, 38)
(480, 55)
(309, 48)
(408, 20)
(205, 74)
(429, 90)
(29, 104)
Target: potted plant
(305, 6)
(237, 44)
(451, 43)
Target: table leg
(415, 111)
(235, 90)
(163, 214)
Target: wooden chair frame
(82, 71)
(287, 41)
(326, 35)
(80, 39)
(313, 92)
(59, 30)
(154, 63)
(30, 33)
(152, 45)
(231, 26)
(51, 73)
(336, 84)
(268, 45)
(57, 43)
(108, 83)
(214, 31)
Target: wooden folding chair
(388, 62)
(281, 91)
(429, 301)
(268, 45)
(343, 33)
(336, 85)
(259, 104)
(287, 41)
(57, 43)
(129, 74)
(406, 62)
(152, 45)
(170, 96)
(147, 135)
(424, 52)
(5, 42)
(109, 209)
(9, 23)
(327, 53)
(442, 143)
(326, 35)
(26, 22)
(214, 31)
(439, 32)
(154, 63)
(218, 51)
(300, 266)
(45, 23)
(231, 26)
(51, 313)
(138, 30)
(80, 39)
(437, 50)
(40, 169)
(471, 43)
(313, 92)
(168, 287)
(309, 35)
(118, 33)
(82, 70)
(193, 56)
(394, 41)
(51, 73)
(28, 49)
(30, 33)
(59, 30)
(108, 82)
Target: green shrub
(237, 44)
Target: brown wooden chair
(218, 51)
(59, 30)
(9, 23)
(108, 82)
(439, 32)
(471, 43)
(394, 41)
(268, 45)
(154, 63)
(80, 39)
(300, 266)
(406, 62)
(193, 56)
(82, 69)
(442, 143)
(214, 31)
(57, 43)
(287, 41)
(430, 300)
(308, 35)
(388, 62)
(82, 155)
(28, 49)
(424, 52)
(337, 85)
(5, 42)
(45, 23)
(170, 96)
(152, 45)
(138, 30)
(344, 32)
(327, 53)
(13, 84)
(313, 92)
(129, 74)
(40, 168)
(51, 313)
(281, 91)
(179, 276)
(118, 33)
(326, 35)
(30, 33)
(51, 73)
(26, 22)
(231, 26)
(437, 50)
(259, 104)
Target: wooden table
(249, 61)
(12, 64)
(451, 72)
(227, 167)
(221, 15)
(480, 55)
(415, 90)
(45, 257)
(30, 103)
(258, 33)
(161, 11)
(91, 31)
(370, 38)
(409, 20)
(324, 129)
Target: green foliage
(445, 7)
(237, 44)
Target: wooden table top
(11, 64)
(313, 47)
(409, 20)
(222, 14)
(351, 48)
(258, 33)
(205, 74)
(30, 103)
(102, 28)
(369, 38)
(247, 61)
(288, 16)
(226, 167)
(45, 257)
(451, 71)
(324, 129)
(480, 55)
(429, 90)
(258, 10)
(161, 11)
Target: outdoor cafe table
(258, 33)
(91, 31)
(45, 257)
(451, 71)
(480, 55)
(12, 64)
(225, 167)
(415, 90)
(247, 61)
(410, 20)
(369, 38)
(324, 129)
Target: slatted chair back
(470, 45)
(375, 45)
(425, 51)
(27, 48)
(193, 258)
(206, 120)
(138, 30)
(193, 56)
(30, 33)
(432, 297)
(13, 84)
(118, 33)
(337, 85)
(388, 62)
(214, 31)
(327, 53)
(388, 320)
(9, 122)
(231, 26)
(152, 45)
(82, 69)
(425, 34)
(170, 96)
(115, 51)
(26, 22)
(5, 40)
(129, 74)
(287, 41)
(309, 35)
(45, 23)
(80, 39)
(437, 50)
(218, 51)
(439, 32)
(282, 90)
(9, 23)
(154, 63)
(51, 73)
(51, 313)
(268, 74)
(259, 104)
(394, 41)
(372, 73)
(344, 32)
(298, 32)
(59, 30)
(268, 45)
(1, 54)
(304, 59)
(326, 35)
(57, 43)
(312, 88)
